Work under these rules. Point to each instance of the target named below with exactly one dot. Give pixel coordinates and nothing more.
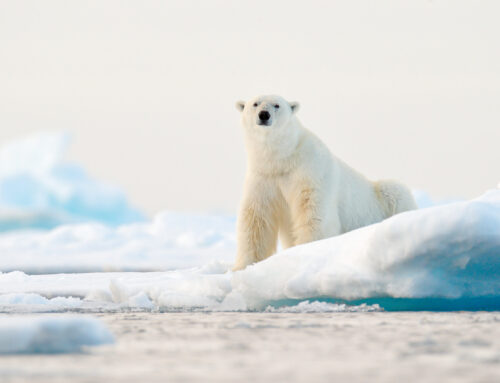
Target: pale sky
(408, 90)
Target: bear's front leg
(307, 216)
(257, 230)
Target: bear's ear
(294, 106)
(240, 105)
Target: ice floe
(50, 334)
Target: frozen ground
(270, 347)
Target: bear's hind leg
(394, 197)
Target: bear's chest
(291, 186)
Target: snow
(450, 252)
(199, 289)
(322, 307)
(294, 347)
(170, 241)
(40, 190)
(36, 299)
(50, 334)
(444, 257)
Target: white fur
(297, 189)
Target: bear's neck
(274, 152)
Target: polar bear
(296, 189)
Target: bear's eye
(255, 104)
(276, 106)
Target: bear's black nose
(264, 115)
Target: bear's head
(266, 112)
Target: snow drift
(445, 258)
(50, 334)
(447, 252)
(38, 189)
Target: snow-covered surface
(446, 255)
(170, 241)
(50, 334)
(278, 347)
(323, 307)
(40, 190)
(450, 251)
(37, 299)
